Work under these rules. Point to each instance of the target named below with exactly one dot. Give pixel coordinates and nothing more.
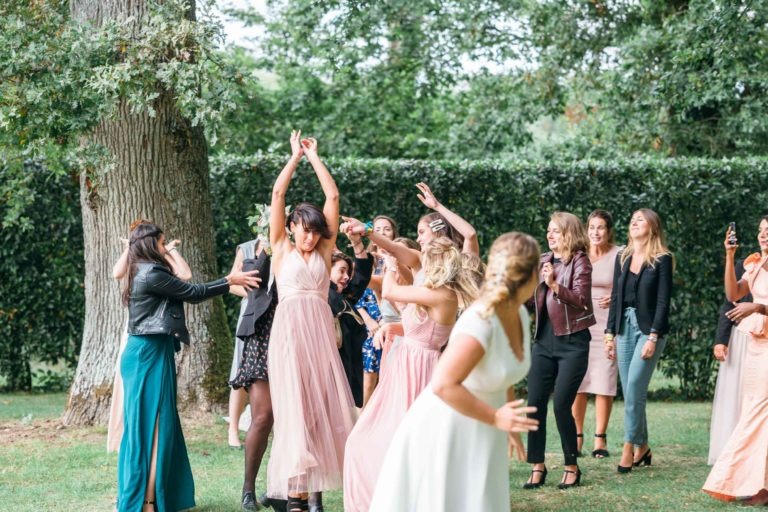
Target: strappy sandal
(297, 505)
(536, 485)
(578, 452)
(601, 453)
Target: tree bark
(160, 173)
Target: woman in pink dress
(600, 379)
(741, 470)
(311, 400)
(427, 320)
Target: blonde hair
(513, 260)
(574, 237)
(444, 267)
(656, 247)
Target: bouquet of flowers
(259, 223)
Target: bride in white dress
(449, 451)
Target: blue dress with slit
(149, 379)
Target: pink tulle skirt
(311, 400)
(405, 375)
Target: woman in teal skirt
(153, 472)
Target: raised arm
(734, 289)
(177, 262)
(405, 255)
(278, 239)
(331, 191)
(471, 245)
(121, 265)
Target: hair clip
(437, 225)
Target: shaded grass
(44, 466)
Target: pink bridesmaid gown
(741, 470)
(311, 400)
(408, 371)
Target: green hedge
(41, 279)
(696, 198)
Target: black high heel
(645, 460)
(297, 505)
(273, 503)
(536, 485)
(563, 485)
(623, 469)
(248, 502)
(601, 453)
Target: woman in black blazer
(637, 323)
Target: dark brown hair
(608, 219)
(311, 218)
(143, 247)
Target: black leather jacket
(157, 301)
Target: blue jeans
(635, 374)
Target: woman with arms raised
(311, 400)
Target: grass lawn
(45, 466)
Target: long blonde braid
(513, 259)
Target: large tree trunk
(160, 173)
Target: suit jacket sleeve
(663, 294)
(615, 306)
(724, 325)
(360, 279)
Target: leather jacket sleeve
(580, 293)
(162, 282)
(664, 291)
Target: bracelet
(172, 249)
(608, 338)
(368, 227)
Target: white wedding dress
(440, 459)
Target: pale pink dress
(602, 373)
(408, 371)
(311, 400)
(741, 470)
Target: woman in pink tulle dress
(427, 321)
(741, 470)
(311, 400)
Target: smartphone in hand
(732, 233)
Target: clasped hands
(301, 147)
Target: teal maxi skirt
(149, 383)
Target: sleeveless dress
(440, 459)
(408, 371)
(311, 400)
(602, 373)
(741, 470)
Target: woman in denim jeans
(639, 320)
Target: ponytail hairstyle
(512, 261)
(143, 247)
(656, 247)
(311, 218)
(572, 231)
(444, 268)
(441, 228)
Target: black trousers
(558, 363)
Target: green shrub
(41, 279)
